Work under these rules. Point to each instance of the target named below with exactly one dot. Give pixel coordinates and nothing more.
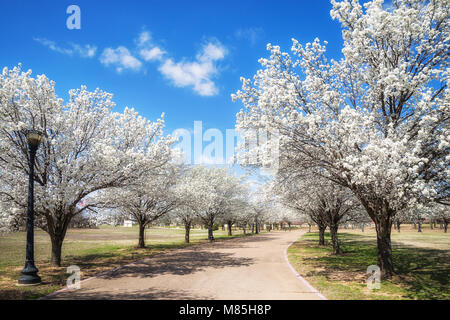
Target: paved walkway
(242, 268)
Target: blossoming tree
(376, 121)
(214, 192)
(87, 149)
(326, 203)
(151, 197)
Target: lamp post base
(29, 280)
(29, 276)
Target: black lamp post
(29, 272)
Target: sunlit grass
(421, 260)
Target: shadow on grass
(423, 273)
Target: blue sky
(183, 58)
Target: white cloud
(151, 54)
(86, 51)
(144, 38)
(148, 51)
(250, 34)
(197, 73)
(121, 58)
(212, 52)
(52, 46)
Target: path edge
(298, 276)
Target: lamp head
(34, 138)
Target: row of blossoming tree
(372, 126)
(87, 150)
(94, 162)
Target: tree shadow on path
(124, 294)
(181, 262)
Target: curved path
(242, 268)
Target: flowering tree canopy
(376, 121)
(213, 193)
(87, 148)
(152, 196)
(325, 202)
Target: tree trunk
(383, 228)
(309, 226)
(229, 228)
(210, 233)
(431, 224)
(141, 236)
(256, 226)
(187, 228)
(445, 226)
(243, 229)
(419, 226)
(322, 235)
(56, 250)
(362, 227)
(382, 215)
(334, 239)
(398, 226)
(57, 231)
(414, 225)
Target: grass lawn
(421, 262)
(93, 250)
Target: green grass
(93, 250)
(421, 261)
